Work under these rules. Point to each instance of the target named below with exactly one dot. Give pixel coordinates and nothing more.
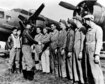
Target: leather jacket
(27, 38)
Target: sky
(52, 10)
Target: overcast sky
(51, 10)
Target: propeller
(86, 5)
(37, 12)
(33, 17)
(67, 5)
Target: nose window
(1, 14)
(8, 18)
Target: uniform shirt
(62, 37)
(94, 38)
(27, 38)
(14, 42)
(54, 39)
(79, 39)
(45, 38)
(38, 38)
(46, 41)
(70, 40)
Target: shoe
(30, 75)
(76, 83)
(24, 74)
(48, 73)
(43, 73)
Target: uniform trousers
(94, 72)
(27, 61)
(14, 56)
(45, 61)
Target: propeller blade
(67, 5)
(37, 12)
(22, 26)
(22, 18)
(91, 0)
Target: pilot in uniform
(94, 38)
(78, 51)
(27, 61)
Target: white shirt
(16, 41)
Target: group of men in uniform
(73, 52)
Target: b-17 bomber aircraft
(19, 18)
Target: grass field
(39, 78)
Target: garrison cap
(70, 21)
(63, 21)
(14, 28)
(48, 28)
(78, 18)
(89, 17)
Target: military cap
(63, 21)
(14, 28)
(70, 21)
(78, 18)
(48, 28)
(89, 17)
(18, 28)
(28, 25)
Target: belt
(88, 43)
(17, 48)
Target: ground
(39, 78)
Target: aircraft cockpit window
(1, 14)
(8, 17)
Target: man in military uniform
(78, 50)
(27, 61)
(14, 44)
(45, 51)
(94, 38)
(38, 49)
(69, 48)
(53, 49)
(62, 38)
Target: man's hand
(80, 56)
(62, 52)
(55, 51)
(69, 54)
(97, 59)
(39, 43)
